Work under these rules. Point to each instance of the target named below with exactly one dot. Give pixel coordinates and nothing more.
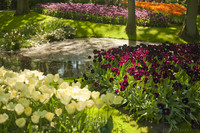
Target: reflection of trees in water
(72, 68)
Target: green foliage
(35, 34)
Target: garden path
(83, 47)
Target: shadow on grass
(9, 21)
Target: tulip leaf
(107, 128)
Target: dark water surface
(70, 67)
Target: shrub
(102, 13)
(160, 83)
(35, 34)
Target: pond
(74, 66)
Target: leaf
(104, 129)
(108, 127)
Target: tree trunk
(131, 23)
(22, 7)
(189, 31)
(199, 8)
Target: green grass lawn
(90, 29)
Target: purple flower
(156, 94)
(116, 91)
(160, 106)
(166, 111)
(111, 80)
(122, 88)
(185, 101)
(96, 84)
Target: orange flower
(169, 8)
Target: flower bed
(102, 13)
(160, 83)
(169, 8)
(32, 102)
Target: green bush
(35, 34)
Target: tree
(189, 29)
(131, 23)
(22, 7)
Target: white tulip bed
(33, 102)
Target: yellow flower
(3, 118)
(28, 111)
(25, 102)
(89, 103)
(32, 81)
(36, 95)
(84, 94)
(19, 109)
(95, 94)
(80, 106)
(99, 103)
(35, 119)
(117, 100)
(44, 98)
(20, 122)
(78, 84)
(58, 111)
(4, 97)
(50, 77)
(11, 106)
(56, 78)
(19, 86)
(64, 85)
(108, 98)
(49, 116)
(71, 108)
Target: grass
(90, 29)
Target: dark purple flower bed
(159, 82)
(102, 13)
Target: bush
(35, 34)
(160, 83)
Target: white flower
(20, 122)
(80, 106)
(3, 118)
(78, 84)
(35, 119)
(19, 109)
(11, 106)
(64, 85)
(44, 98)
(99, 103)
(58, 111)
(117, 100)
(95, 94)
(28, 111)
(108, 98)
(36, 95)
(89, 103)
(49, 116)
(25, 102)
(71, 108)
(56, 78)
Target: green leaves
(108, 127)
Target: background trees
(22, 7)
(189, 29)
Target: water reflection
(66, 68)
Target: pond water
(73, 66)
